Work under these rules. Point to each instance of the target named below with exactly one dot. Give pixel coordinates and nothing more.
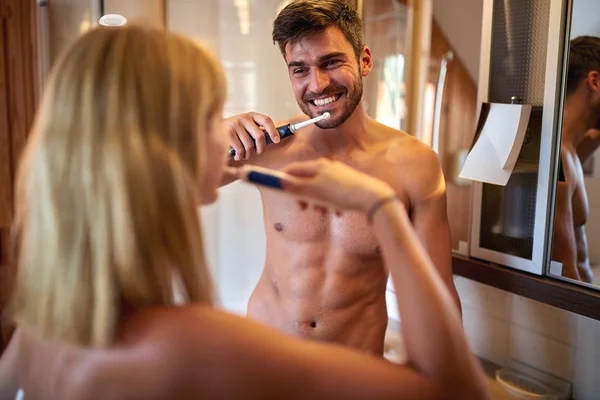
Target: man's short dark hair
(303, 18)
(584, 57)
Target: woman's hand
(334, 184)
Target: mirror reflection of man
(580, 138)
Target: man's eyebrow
(329, 56)
(296, 64)
(322, 59)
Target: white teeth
(328, 100)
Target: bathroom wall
(503, 326)
(150, 12)
(67, 19)
(587, 22)
(460, 21)
(239, 33)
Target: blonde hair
(107, 189)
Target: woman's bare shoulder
(206, 348)
(166, 353)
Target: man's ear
(366, 62)
(593, 81)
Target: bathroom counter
(496, 391)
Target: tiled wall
(503, 326)
(69, 18)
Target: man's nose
(319, 81)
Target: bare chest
(347, 231)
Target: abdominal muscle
(318, 291)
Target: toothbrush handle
(264, 179)
(284, 131)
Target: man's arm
(564, 247)
(430, 218)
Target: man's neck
(352, 134)
(576, 119)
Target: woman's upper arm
(218, 355)
(246, 360)
(317, 371)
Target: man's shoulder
(405, 150)
(405, 144)
(417, 165)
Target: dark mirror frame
(577, 298)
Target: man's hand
(246, 136)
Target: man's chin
(328, 124)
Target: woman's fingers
(304, 169)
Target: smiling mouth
(326, 101)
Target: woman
(127, 143)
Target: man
(580, 119)
(323, 277)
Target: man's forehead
(318, 44)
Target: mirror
(575, 246)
